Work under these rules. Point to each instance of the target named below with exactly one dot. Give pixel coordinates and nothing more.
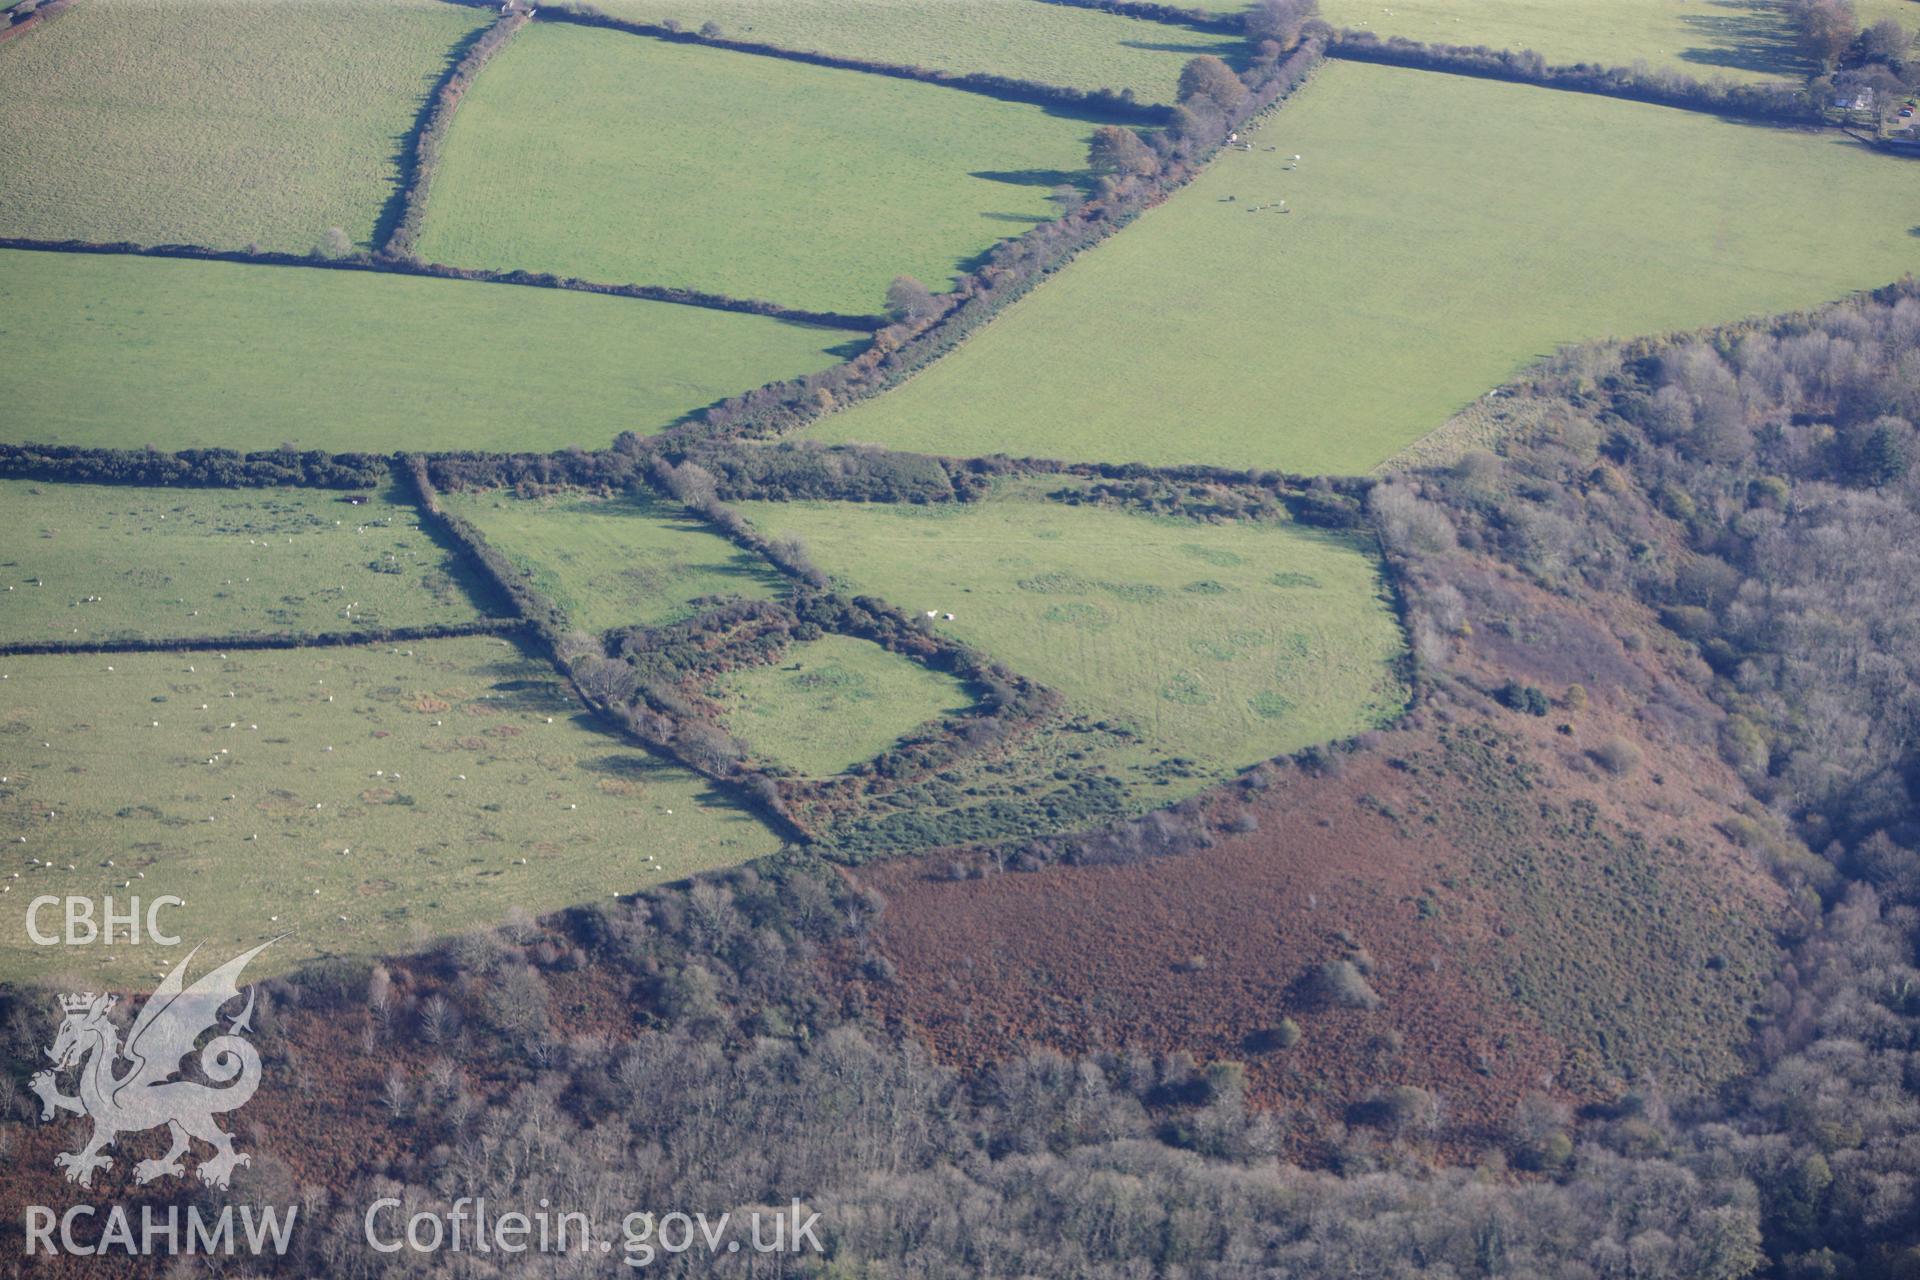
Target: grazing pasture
(248, 121)
(1741, 40)
(1074, 48)
(126, 352)
(616, 562)
(1438, 234)
(414, 791)
(623, 159)
(112, 562)
(832, 703)
(1220, 644)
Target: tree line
(194, 468)
(1640, 84)
(1155, 167)
(1843, 55)
(420, 152)
(1753, 489)
(268, 640)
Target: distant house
(1853, 99)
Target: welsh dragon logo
(144, 1094)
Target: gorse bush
(1340, 984)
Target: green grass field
(246, 121)
(619, 158)
(1225, 644)
(832, 703)
(1444, 232)
(126, 352)
(108, 562)
(1076, 48)
(1748, 40)
(348, 799)
(616, 562)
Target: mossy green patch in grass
(834, 702)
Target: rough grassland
(1748, 40)
(832, 703)
(1077, 48)
(1223, 644)
(1514, 939)
(382, 825)
(622, 159)
(616, 562)
(126, 352)
(1444, 233)
(105, 562)
(221, 124)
